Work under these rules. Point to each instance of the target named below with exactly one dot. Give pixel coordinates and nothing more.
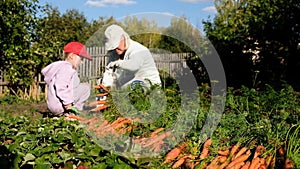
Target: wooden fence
(170, 63)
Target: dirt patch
(28, 109)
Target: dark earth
(34, 110)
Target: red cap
(78, 49)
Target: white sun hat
(113, 36)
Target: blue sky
(194, 10)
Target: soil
(27, 109)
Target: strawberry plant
(49, 143)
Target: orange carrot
(288, 164)
(99, 108)
(262, 161)
(262, 166)
(258, 151)
(174, 153)
(101, 94)
(238, 165)
(204, 153)
(223, 165)
(122, 123)
(223, 159)
(130, 128)
(139, 140)
(255, 163)
(240, 152)
(233, 150)
(247, 165)
(77, 117)
(119, 119)
(239, 159)
(97, 102)
(179, 162)
(104, 129)
(154, 133)
(157, 138)
(205, 149)
(123, 130)
(211, 166)
(223, 152)
(216, 160)
(207, 143)
(101, 86)
(157, 146)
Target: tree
(144, 31)
(186, 36)
(18, 31)
(55, 30)
(96, 31)
(256, 40)
(183, 37)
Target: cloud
(195, 1)
(103, 3)
(210, 9)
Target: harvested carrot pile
(102, 128)
(234, 157)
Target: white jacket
(138, 64)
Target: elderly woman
(134, 61)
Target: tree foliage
(257, 40)
(96, 31)
(144, 31)
(30, 41)
(18, 22)
(55, 30)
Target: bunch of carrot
(237, 157)
(99, 103)
(178, 156)
(154, 141)
(234, 157)
(102, 127)
(122, 125)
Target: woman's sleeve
(135, 60)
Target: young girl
(65, 92)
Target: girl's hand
(68, 106)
